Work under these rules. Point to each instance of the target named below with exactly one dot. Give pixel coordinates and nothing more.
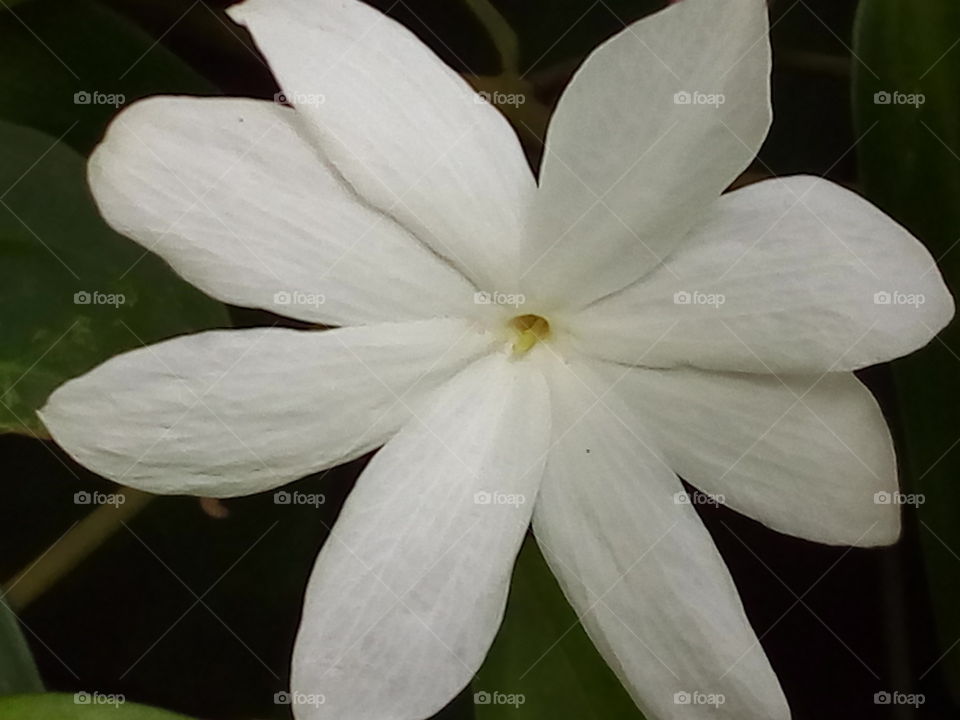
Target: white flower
(665, 329)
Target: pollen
(529, 330)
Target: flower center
(529, 330)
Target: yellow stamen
(530, 330)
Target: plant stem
(503, 36)
(72, 548)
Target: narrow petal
(629, 165)
(410, 587)
(640, 569)
(786, 276)
(232, 412)
(808, 456)
(228, 192)
(404, 129)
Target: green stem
(503, 36)
(72, 548)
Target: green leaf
(81, 706)
(68, 63)
(910, 166)
(18, 671)
(75, 292)
(542, 666)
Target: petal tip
(238, 12)
(883, 532)
(49, 413)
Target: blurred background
(192, 606)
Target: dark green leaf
(18, 672)
(68, 63)
(542, 665)
(75, 292)
(908, 104)
(82, 706)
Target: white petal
(407, 132)
(640, 569)
(231, 412)
(229, 193)
(786, 276)
(807, 456)
(410, 587)
(627, 169)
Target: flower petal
(786, 276)
(228, 192)
(232, 412)
(807, 456)
(404, 129)
(640, 569)
(410, 587)
(628, 166)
